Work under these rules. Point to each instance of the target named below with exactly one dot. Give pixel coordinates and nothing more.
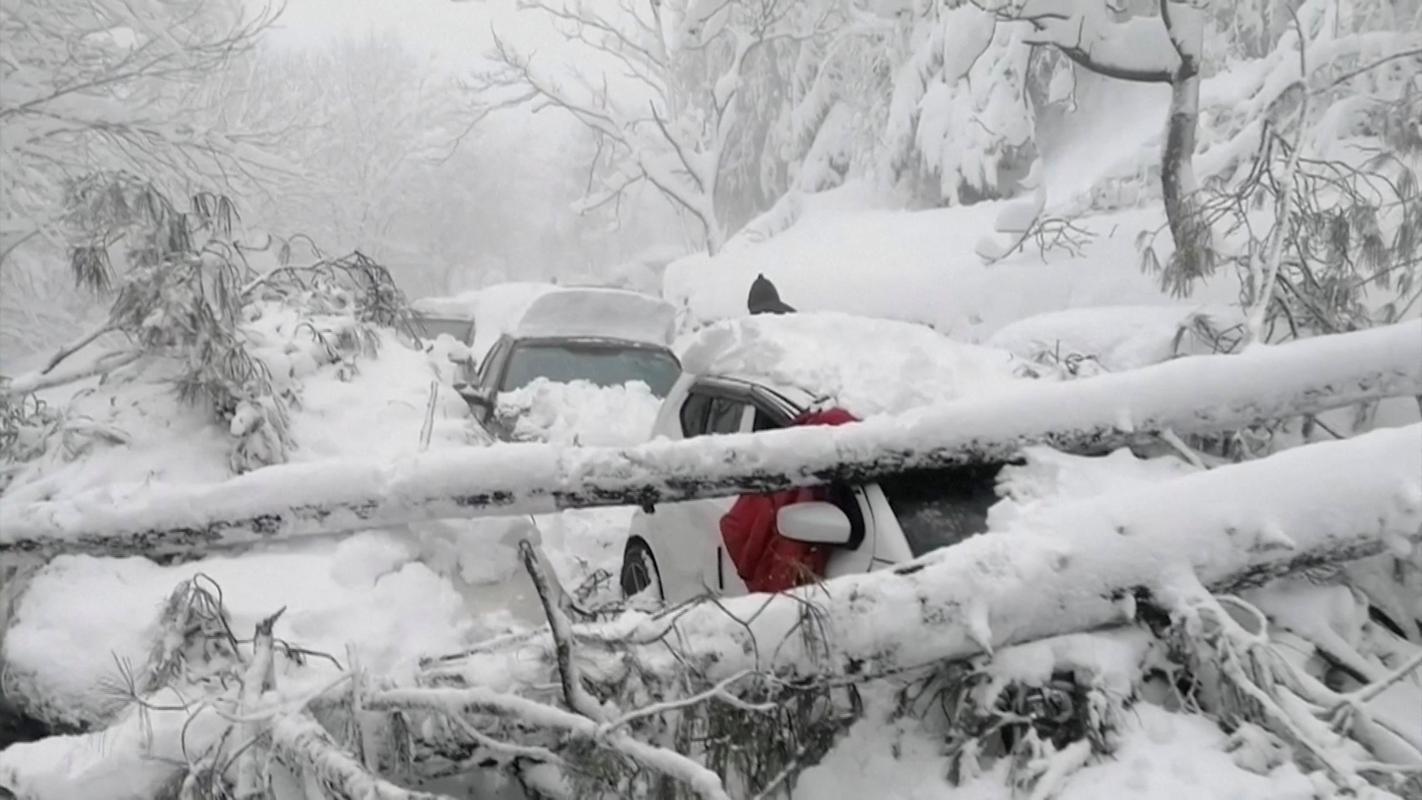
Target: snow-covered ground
(396, 595)
(847, 254)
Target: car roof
(614, 314)
(865, 366)
(607, 340)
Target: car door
(692, 559)
(770, 412)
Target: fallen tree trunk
(1088, 564)
(1190, 395)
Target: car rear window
(941, 507)
(434, 327)
(599, 364)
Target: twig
(37, 382)
(302, 744)
(75, 346)
(428, 428)
(556, 604)
(1264, 282)
(715, 692)
(480, 699)
(257, 679)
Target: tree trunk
(1090, 563)
(1193, 257)
(1188, 395)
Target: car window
(764, 421)
(725, 416)
(693, 414)
(940, 507)
(490, 358)
(433, 327)
(598, 363)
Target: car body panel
(685, 536)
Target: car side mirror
(476, 397)
(814, 522)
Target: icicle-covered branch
(1188, 395)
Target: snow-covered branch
(1188, 395)
(1087, 564)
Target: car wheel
(639, 570)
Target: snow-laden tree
(364, 125)
(88, 83)
(667, 89)
(961, 124)
(105, 85)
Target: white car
(761, 373)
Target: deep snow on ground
(846, 254)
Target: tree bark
(1193, 258)
(1189, 395)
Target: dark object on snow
(764, 299)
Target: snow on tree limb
(300, 742)
(1088, 564)
(1189, 395)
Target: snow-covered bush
(185, 299)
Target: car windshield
(432, 327)
(940, 507)
(603, 364)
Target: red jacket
(765, 560)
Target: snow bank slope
(920, 266)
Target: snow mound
(372, 404)
(846, 255)
(867, 366)
(1160, 754)
(1047, 478)
(1115, 337)
(580, 412)
(81, 615)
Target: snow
(1115, 337)
(374, 406)
(1203, 393)
(580, 412)
(845, 254)
(1046, 477)
(1160, 754)
(63, 644)
(495, 309)
(869, 367)
(610, 313)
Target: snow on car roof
(609, 313)
(866, 366)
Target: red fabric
(765, 560)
